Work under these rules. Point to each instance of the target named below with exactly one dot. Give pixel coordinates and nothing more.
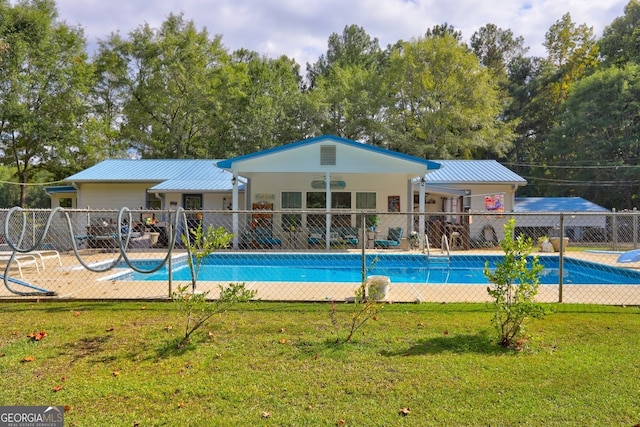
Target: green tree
(175, 76)
(347, 87)
(599, 136)
(497, 48)
(538, 87)
(268, 109)
(620, 42)
(443, 103)
(45, 79)
(515, 282)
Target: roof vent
(327, 155)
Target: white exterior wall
(270, 187)
(112, 196)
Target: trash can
(378, 287)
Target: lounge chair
(337, 236)
(392, 240)
(263, 237)
(20, 260)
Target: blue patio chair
(392, 240)
(263, 238)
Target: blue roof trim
(228, 164)
(61, 189)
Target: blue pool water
(401, 268)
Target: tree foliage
(443, 104)
(175, 91)
(600, 126)
(620, 42)
(44, 77)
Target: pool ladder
(442, 260)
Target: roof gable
(304, 156)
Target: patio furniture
(393, 238)
(263, 238)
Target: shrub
(515, 285)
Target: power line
(573, 166)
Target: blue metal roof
(556, 204)
(227, 164)
(473, 171)
(169, 174)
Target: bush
(515, 285)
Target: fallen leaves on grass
(340, 423)
(37, 336)
(58, 388)
(111, 329)
(266, 414)
(181, 405)
(405, 411)
(283, 341)
(28, 359)
(115, 373)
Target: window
(153, 201)
(316, 200)
(366, 201)
(192, 201)
(291, 200)
(66, 202)
(341, 200)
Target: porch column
(421, 230)
(234, 207)
(327, 228)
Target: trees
(599, 128)
(442, 103)
(44, 77)
(172, 76)
(620, 42)
(346, 90)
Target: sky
(300, 29)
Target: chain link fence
(313, 255)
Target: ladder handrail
(444, 242)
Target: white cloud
(301, 29)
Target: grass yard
(276, 364)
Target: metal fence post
(614, 230)
(635, 228)
(561, 258)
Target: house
(577, 227)
(147, 183)
(316, 175)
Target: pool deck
(69, 280)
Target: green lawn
(276, 364)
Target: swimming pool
(401, 268)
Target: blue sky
(300, 28)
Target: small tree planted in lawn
(515, 285)
(364, 308)
(195, 305)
